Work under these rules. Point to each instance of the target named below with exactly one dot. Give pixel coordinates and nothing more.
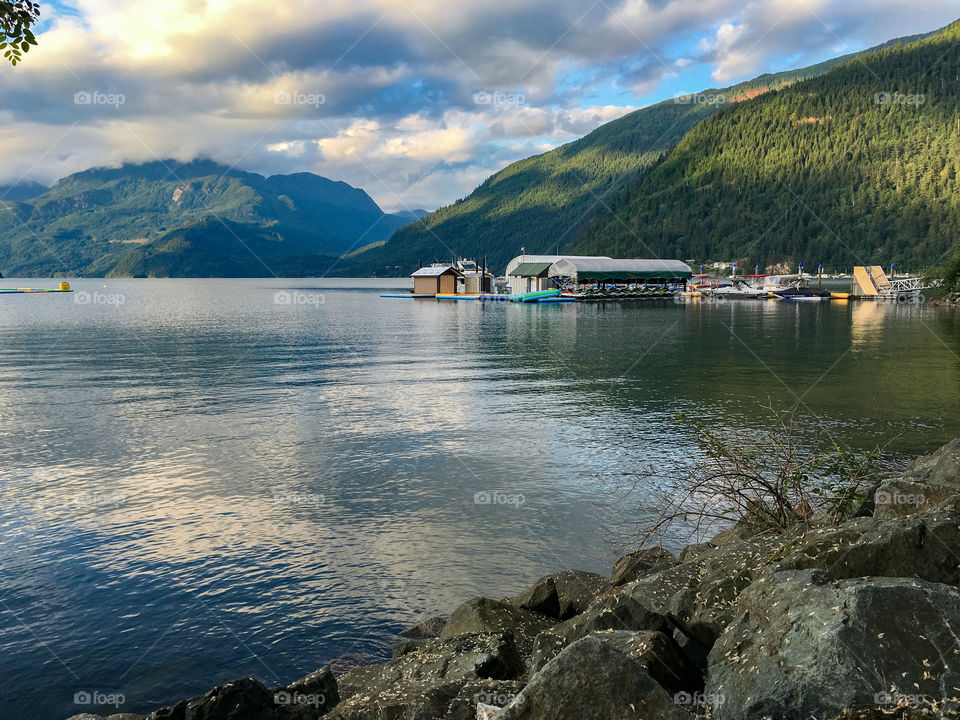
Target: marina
(574, 278)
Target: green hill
(542, 202)
(858, 166)
(89, 221)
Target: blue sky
(416, 101)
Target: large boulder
(929, 480)
(424, 683)
(604, 676)
(309, 696)
(429, 628)
(357, 678)
(925, 545)
(640, 563)
(244, 698)
(805, 645)
(561, 595)
(484, 615)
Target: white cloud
(382, 94)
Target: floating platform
(409, 296)
(64, 288)
(488, 297)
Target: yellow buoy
(65, 286)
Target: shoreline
(854, 619)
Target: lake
(207, 479)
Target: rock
(640, 563)
(603, 676)
(487, 712)
(405, 646)
(699, 596)
(425, 682)
(925, 545)
(561, 595)
(356, 678)
(616, 612)
(309, 696)
(430, 628)
(483, 615)
(928, 481)
(805, 645)
(690, 552)
(490, 694)
(244, 698)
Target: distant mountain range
(186, 219)
(835, 163)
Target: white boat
(739, 290)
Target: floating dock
(64, 288)
(409, 296)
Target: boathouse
(531, 273)
(439, 278)
(589, 270)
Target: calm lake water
(206, 479)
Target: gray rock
(803, 644)
(492, 693)
(640, 563)
(925, 545)
(615, 612)
(356, 678)
(603, 676)
(561, 595)
(422, 684)
(244, 698)
(483, 615)
(310, 696)
(406, 646)
(929, 480)
(429, 628)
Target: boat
(802, 292)
(739, 290)
(531, 297)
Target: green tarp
(530, 269)
(604, 275)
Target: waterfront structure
(436, 279)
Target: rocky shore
(948, 300)
(859, 620)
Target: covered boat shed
(436, 280)
(606, 270)
(531, 273)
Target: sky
(415, 101)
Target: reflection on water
(199, 483)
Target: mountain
(857, 166)
(22, 191)
(90, 221)
(542, 203)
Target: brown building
(436, 280)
